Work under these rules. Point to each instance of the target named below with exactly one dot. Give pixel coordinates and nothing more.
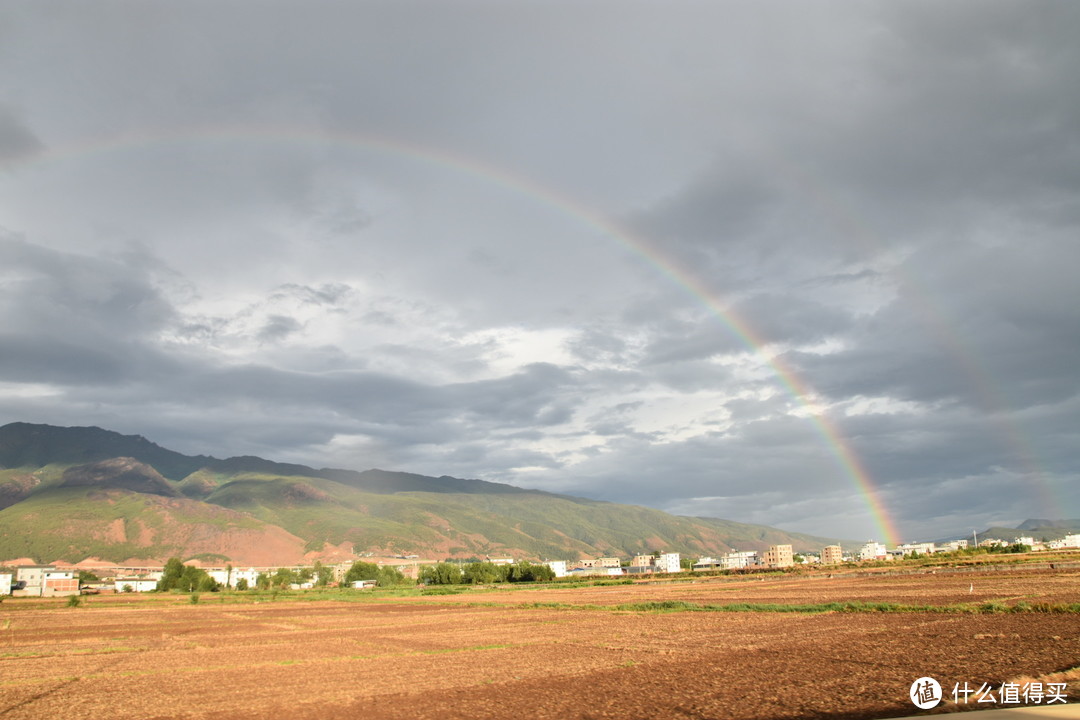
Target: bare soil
(448, 657)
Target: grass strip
(990, 607)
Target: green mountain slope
(65, 501)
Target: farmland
(725, 648)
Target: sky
(808, 265)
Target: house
(953, 546)
(739, 560)
(832, 555)
(230, 577)
(134, 584)
(1071, 541)
(873, 551)
(779, 556)
(45, 581)
(642, 561)
(5, 583)
(668, 563)
(558, 567)
(363, 585)
(707, 563)
(920, 548)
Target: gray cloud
(493, 240)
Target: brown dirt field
(436, 657)
(939, 588)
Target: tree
(524, 571)
(323, 575)
(480, 573)
(170, 578)
(389, 576)
(361, 570)
(242, 584)
(178, 576)
(443, 573)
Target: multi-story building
(779, 556)
(921, 548)
(608, 562)
(668, 563)
(738, 560)
(230, 577)
(832, 555)
(45, 581)
(1071, 541)
(558, 567)
(873, 551)
(5, 583)
(642, 561)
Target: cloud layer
(515, 241)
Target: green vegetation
(74, 601)
(185, 578)
(443, 573)
(383, 575)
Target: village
(24, 579)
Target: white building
(953, 545)
(668, 563)
(134, 584)
(231, 578)
(1024, 540)
(45, 581)
(921, 548)
(739, 560)
(873, 551)
(1071, 541)
(558, 567)
(5, 583)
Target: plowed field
(450, 657)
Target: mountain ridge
(89, 491)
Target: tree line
(189, 578)
(479, 573)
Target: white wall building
(223, 576)
(5, 583)
(873, 551)
(558, 567)
(668, 563)
(921, 548)
(1071, 541)
(738, 560)
(136, 584)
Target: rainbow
(834, 440)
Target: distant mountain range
(1035, 528)
(68, 493)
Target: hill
(70, 493)
(1037, 528)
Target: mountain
(1037, 528)
(70, 493)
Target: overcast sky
(508, 240)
